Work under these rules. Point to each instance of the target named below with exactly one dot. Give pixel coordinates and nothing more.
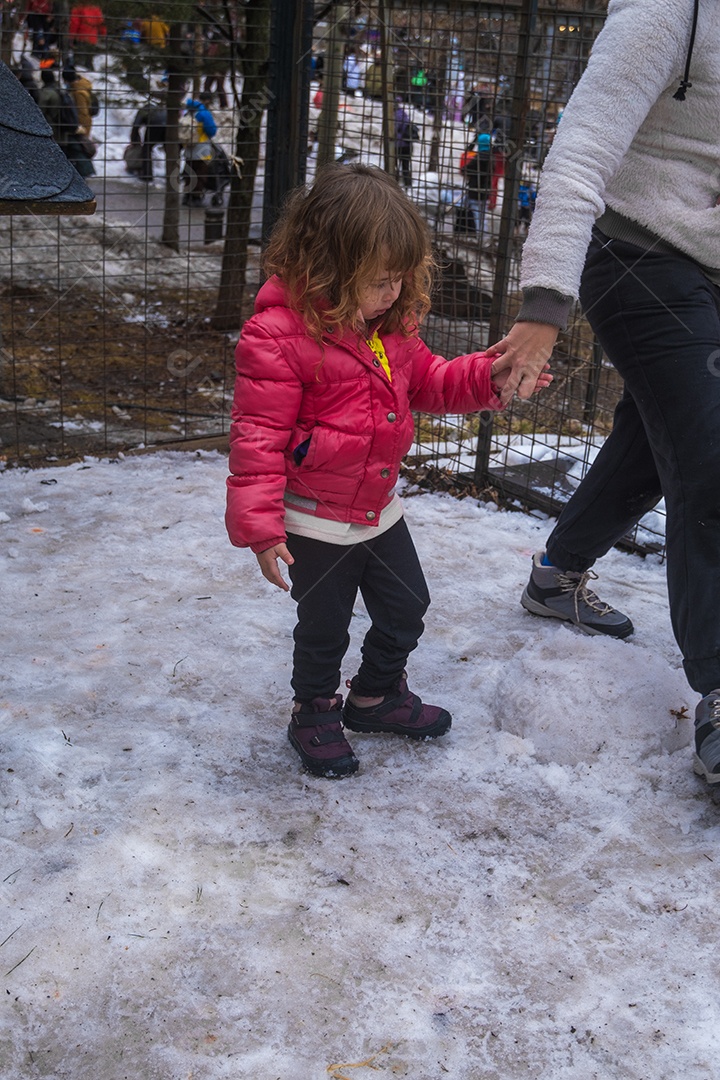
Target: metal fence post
(289, 90)
(332, 84)
(387, 82)
(508, 218)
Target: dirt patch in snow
(79, 373)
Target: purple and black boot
(399, 713)
(316, 732)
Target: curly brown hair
(331, 239)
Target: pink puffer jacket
(325, 423)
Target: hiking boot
(564, 594)
(707, 737)
(316, 733)
(399, 713)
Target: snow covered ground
(527, 897)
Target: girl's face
(378, 295)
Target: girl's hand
(523, 353)
(268, 561)
(500, 378)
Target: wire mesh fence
(118, 329)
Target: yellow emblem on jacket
(379, 349)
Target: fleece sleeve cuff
(545, 306)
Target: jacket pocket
(301, 451)
(338, 451)
(335, 462)
(298, 447)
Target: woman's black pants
(657, 317)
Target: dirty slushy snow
(528, 896)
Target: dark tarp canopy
(35, 175)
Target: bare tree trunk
(255, 98)
(438, 107)
(387, 84)
(332, 83)
(176, 86)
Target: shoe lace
(714, 712)
(577, 584)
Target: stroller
(218, 175)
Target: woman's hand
(523, 353)
(500, 378)
(268, 561)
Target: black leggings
(325, 582)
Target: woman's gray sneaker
(564, 594)
(707, 737)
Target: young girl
(330, 368)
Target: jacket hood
(271, 294)
(274, 294)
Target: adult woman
(632, 209)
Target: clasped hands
(521, 359)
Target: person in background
(353, 73)
(217, 64)
(419, 88)
(403, 144)
(476, 167)
(329, 371)
(475, 109)
(130, 32)
(215, 82)
(527, 196)
(58, 107)
(154, 31)
(86, 28)
(501, 149)
(317, 65)
(81, 92)
(38, 17)
(27, 75)
(50, 102)
(148, 131)
(197, 130)
(631, 225)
